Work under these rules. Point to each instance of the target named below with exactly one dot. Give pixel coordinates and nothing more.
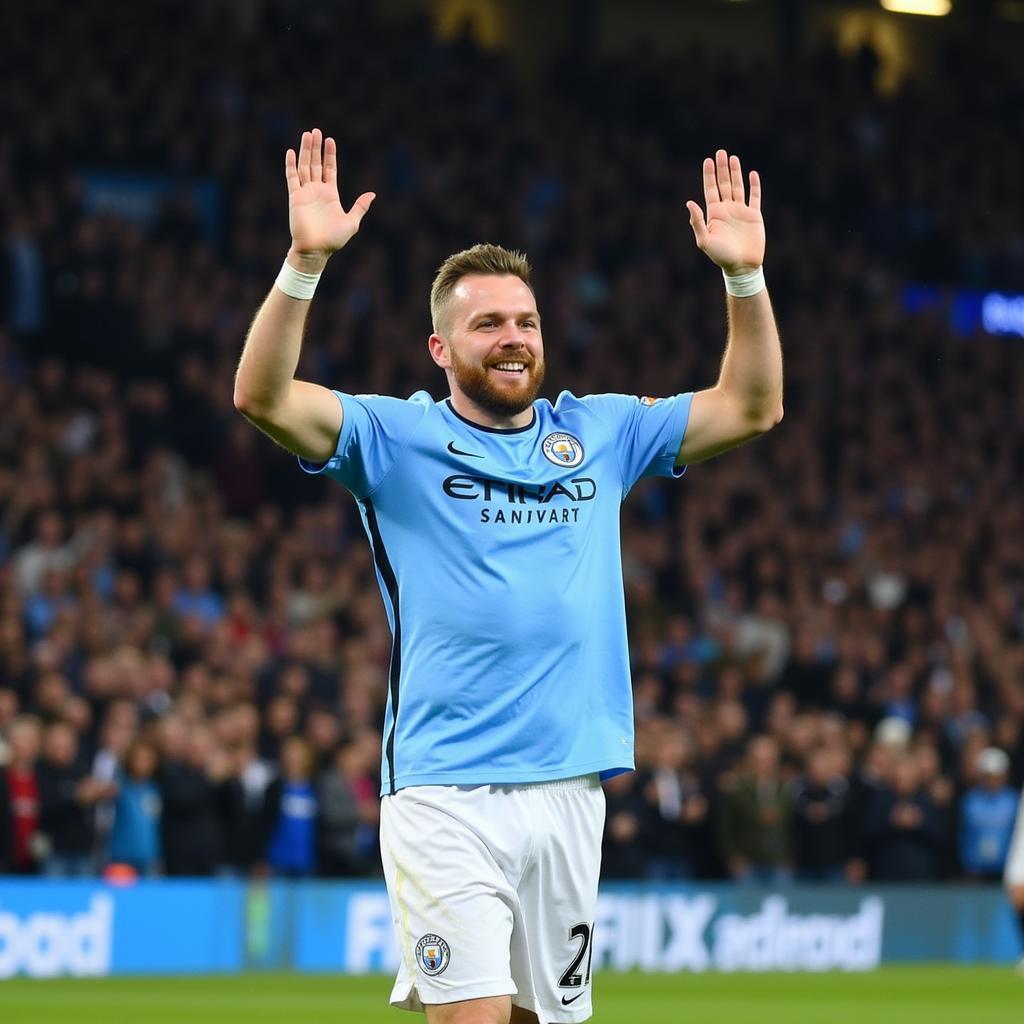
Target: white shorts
(493, 891)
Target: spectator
(323, 733)
(197, 598)
(822, 805)
(280, 721)
(45, 553)
(866, 564)
(349, 815)
(942, 792)
(625, 828)
(293, 803)
(987, 816)
(9, 705)
(678, 811)
(52, 597)
(871, 780)
(68, 796)
(245, 814)
(756, 819)
(135, 837)
(19, 798)
(904, 827)
(806, 674)
(191, 770)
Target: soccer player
(493, 519)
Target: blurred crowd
(827, 626)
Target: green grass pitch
(937, 994)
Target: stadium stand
(827, 626)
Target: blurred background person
(135, 835)
(678, 810)
(626, 828)
(293, 807)
(987, 815)
(755, 825)
(68, 796)
(904, 827)
(191, 769)
(823, 825)
(245, 814)
(117, 731)
(349, 814)
(19, 797)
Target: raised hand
(733, 234)
(318, 223)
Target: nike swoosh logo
(455, 451)
(566, 1002)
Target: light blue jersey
(497, 553)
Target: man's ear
(438, 349)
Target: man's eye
(486, 323)
(529, 323)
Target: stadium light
(935, 8)
(1003, 314)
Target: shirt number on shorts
(572, 978)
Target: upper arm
(307, 422)
(718, 422)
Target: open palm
(733, 234)
(318, 223)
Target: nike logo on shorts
(455, 451)
(566, 1002)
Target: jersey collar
(493, 430)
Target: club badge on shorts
(562, 449)
(432, 954)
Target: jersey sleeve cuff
(678, 434)
(316, 468)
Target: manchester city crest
(562, 449)
(432, 954)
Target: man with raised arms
(493, 517)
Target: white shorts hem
(409, 995)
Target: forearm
(272, 347)
(751, 370)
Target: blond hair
(482, 258)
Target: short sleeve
(374, 431)
(647, 432)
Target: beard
(500, 397)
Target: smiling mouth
(509, 368)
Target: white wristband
(744, 285)
(296, 283)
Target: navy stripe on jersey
(387, 574)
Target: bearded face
(504, 384)
(492, 349)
